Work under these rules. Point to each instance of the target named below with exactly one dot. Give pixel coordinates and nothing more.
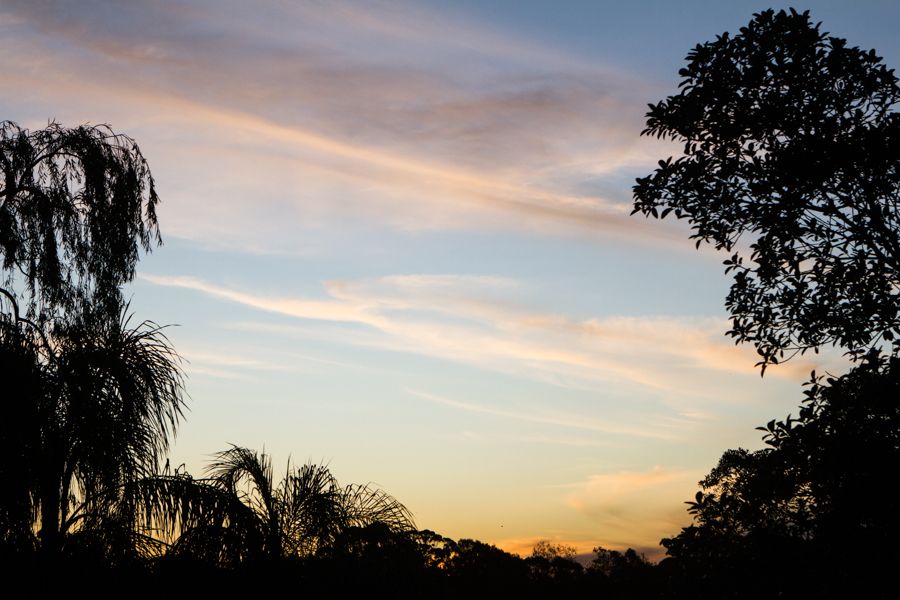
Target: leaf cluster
(791, 150)
(816, 490)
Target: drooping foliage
(76, 206)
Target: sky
(397, 241)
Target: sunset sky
(397, 240)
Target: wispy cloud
(293, 307)
(344, 113)
(636, 507)
(481, 321)
(231, 361)
(556, 418)
(242, 362)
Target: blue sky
(397, 240)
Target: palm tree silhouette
(238, 514)
(95, 402)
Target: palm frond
(248, 475)
(365, 505)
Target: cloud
(523, 546)
(343, 113)
(243, 362)
(293, 307)
(554, 418)
(635, 507)
(482, 321)
(196, 357)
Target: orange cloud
(480, 321)
(635, 507)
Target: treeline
(813, 514)
(361, 560)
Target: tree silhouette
(547, 550)
(615, 574)
(240, 515)
(92, 401)
(91, 408)
(791, 149)
(75, 207)
(483, 569)
(809, 511)
(791, 152)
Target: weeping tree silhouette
(76, 207)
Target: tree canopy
(791, 152)
(76, 205)
(809, 511)
(791, 147)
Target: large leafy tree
(791, 152)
